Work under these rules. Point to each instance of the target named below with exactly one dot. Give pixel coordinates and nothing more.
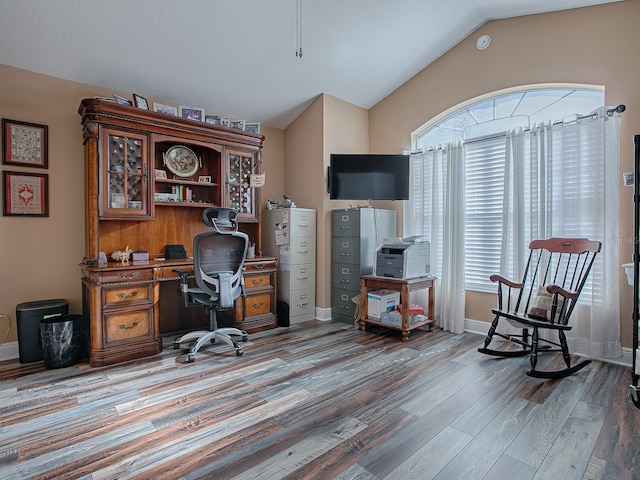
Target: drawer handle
(258, 265)
(303, 304)
(345, 281)
(132, 295)
(258, 305)
(303, 225)
(344, 227)
(302, 278)
(124, 327)
(303, 251)
(255, 281)
(345, 254)
(133, 275)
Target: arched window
(481, 125)
(500, 113)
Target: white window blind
(484, 171)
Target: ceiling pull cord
(299, 30)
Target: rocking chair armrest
(501, 279)
(553, 289)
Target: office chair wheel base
(191, 358)
(245, 337)
(239, 352)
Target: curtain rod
(609, 112)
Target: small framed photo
(252, 127)
(225, 121)
(239, 124)
(191, 113)
(204, 179)
(121, 100)
(25, 144)
(212, 119)
(166, 109)
(161, 174)
(140, 101)
(26, 194)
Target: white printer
(407, 257)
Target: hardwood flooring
(319, 400)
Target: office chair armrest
(183, 274)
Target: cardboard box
(380, 301)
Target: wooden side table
(404, 286)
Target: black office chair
(218, 260)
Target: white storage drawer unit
(289, 234)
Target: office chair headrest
(224, 220)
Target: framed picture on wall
(25, 144)
(25, 194)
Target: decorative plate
(181, 161)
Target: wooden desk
(128, 306)
(404, 286)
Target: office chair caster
(191, 357)
(239, 351)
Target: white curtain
(563, 180)
(438, 214)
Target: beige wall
(39, 257)
(593, 46)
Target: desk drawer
(258, 304)
(126, 275)
(257, 281)
(128, 325)
(259, 266)
(134, 294)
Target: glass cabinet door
(126, 189)
(240, 194)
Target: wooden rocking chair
(555, 273)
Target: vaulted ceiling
(238, 57)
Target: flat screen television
(368, 177)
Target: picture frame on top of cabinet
(191, 113)
(121, 100)
(225, 121)
(166, 109)
(140, 102)
(212, 119)
(25, 194)
(252, 127)
(25, 144)
(239, 124)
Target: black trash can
(62, 339)
(283, 313)
(28, 317)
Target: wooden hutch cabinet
(149, 176)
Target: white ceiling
(237, 57)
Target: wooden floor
(321, 401)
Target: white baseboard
(9, 351)
(323, 314)
(481, 328)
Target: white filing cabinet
(289, 234)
